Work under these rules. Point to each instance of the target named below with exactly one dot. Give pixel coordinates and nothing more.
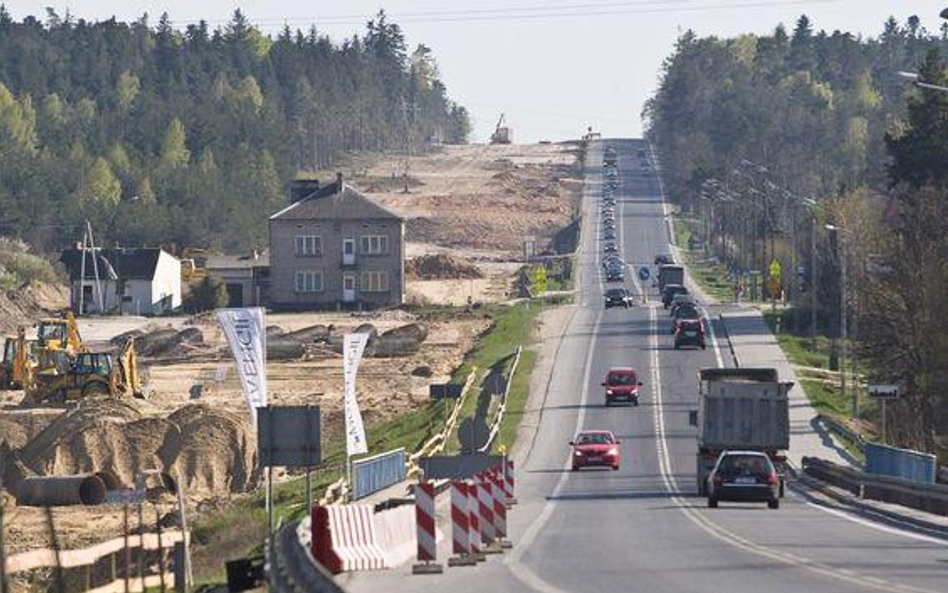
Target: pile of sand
(210, 449)
(441, 266)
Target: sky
(553, 67)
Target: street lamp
(914, 77)
(843, 333)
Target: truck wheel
(95, 390)
(712, 503)
(773, 504)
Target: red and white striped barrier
(473, 514)
(509, 482)
(485, 511)
(496, 480)
(460, 527)
(344, 538)
(425, 519)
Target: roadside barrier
(473, 513)
(344, 538)
(502, 409)
(371, 474)
(460, 527)
(425, 520)
(509, 482)
(496, 481)
(485, 512)
(437, 442)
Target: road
(641, 528)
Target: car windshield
(616, 293)
(622, 379)
(687, 312)
(594, 438)
(745, 464)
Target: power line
(531, 13)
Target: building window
(308, 246)
(309, 281)
(374, 245)
(375, 281)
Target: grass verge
(711, 276)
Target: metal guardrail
(371, 474)
(844, 431)
(909, 465)
(931, 498)
(292, 569)
(502, 409)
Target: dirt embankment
(30, 302)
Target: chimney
(300, 189)
(339, 182)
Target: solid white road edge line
(729, 537)
(523, 573)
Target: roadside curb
(805, 486)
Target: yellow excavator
(87, 375)
(16, 361)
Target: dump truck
(670, 274)
(741, 409)
(86, 375)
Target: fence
(116, 565)
(906, 464)
(502, 409)
(378, 472)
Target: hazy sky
(553, 66)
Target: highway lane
(640, 528)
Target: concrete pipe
(55, 491)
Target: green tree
(99, 186)
(127, 89)
(208, 294)
(174, 149)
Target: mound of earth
(209, 449)
(216, 449)
(441, 266)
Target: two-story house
(333, 247)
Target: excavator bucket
(128, 362)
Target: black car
(610, 248)
(609, 234)
(744, 476)
(663, 259)
(618, 297)
(670, 291)
(684, 311)
(612, 259)
(680, 300)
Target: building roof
(336, 201)
(113, 264)
(237, 262)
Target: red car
(622, 383)
(595, 448)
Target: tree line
(810, 148)
(162, 136)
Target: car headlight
(614, 451)
(608, 392)
(578, 453)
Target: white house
(143, 281)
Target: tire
(635, 403)
(615, 468)
(95, 390)
(575, 468)
(702, 488)
(712, 503)
(773, 504)
(677, 346)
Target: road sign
(644, 274)
(801, 271)
(773, 287)
(473, 434)
(453, 467)
(288, 436)
(884, 391)
(776, 271)
(445, 390)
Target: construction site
(157, 404)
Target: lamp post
(839, 233)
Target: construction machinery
(502, 134)
(86, 375)
(16, 361)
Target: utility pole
(406, 145)
(813, 299)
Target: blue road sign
(644, 273)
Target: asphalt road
(642, 528)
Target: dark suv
(670, 291)
(744, 476)
(618, 297)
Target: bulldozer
(86, 375)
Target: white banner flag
(352, 348)
(247, 337)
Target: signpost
(774, 282)
(884, 393)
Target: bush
(17, 267)
(206, 295)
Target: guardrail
(502, 409)
(292, 569)
(371, 474)
(931, 498)
(844, 431)
(906, 464)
